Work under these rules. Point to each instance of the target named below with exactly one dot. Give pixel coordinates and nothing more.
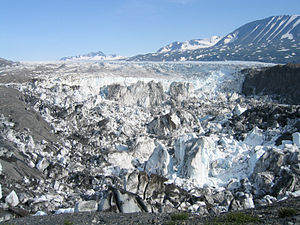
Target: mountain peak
(270, 29)
(190, 45)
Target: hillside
(275, 39)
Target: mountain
(5, 62)
(92, 56)
(190, 45)
(273, 39)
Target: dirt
(265, 215)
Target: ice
(195, 160)
(296, 139)
(63, 211)
(255, 138)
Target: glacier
(123, 124)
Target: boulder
(242, 201)
(119, 200)
(86, 206)
(12, 199)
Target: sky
(37, 30)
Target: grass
(67, 222)
(286, 212)
(179, 216)
(236, 218)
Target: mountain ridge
(99, 55)
(273, 39)
(190, 45)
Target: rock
(286, 182)
(241, 201)
(86, 206)
(42, 164)
(266, 200)
(264, 183)
(118, 200)
(271, 160)
(167, 124)
(5, 216)
(129, 203)
(296, 139)
(280, 80)
(12, 199)
(19, 211)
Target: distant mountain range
(92, 56)
(274, 39)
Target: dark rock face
(265, 117)
(282, 81)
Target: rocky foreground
(284, 212)
(153, 139)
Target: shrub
(180, 216)
(236, 218)
(67, 222)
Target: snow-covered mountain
(190, 45)
(274, 39)
(93, 56)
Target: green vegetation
(286, 212)
(67, 222)
(180, 216)
(236, 218)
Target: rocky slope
(281, 81)
(142, 137)
(274, 39)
